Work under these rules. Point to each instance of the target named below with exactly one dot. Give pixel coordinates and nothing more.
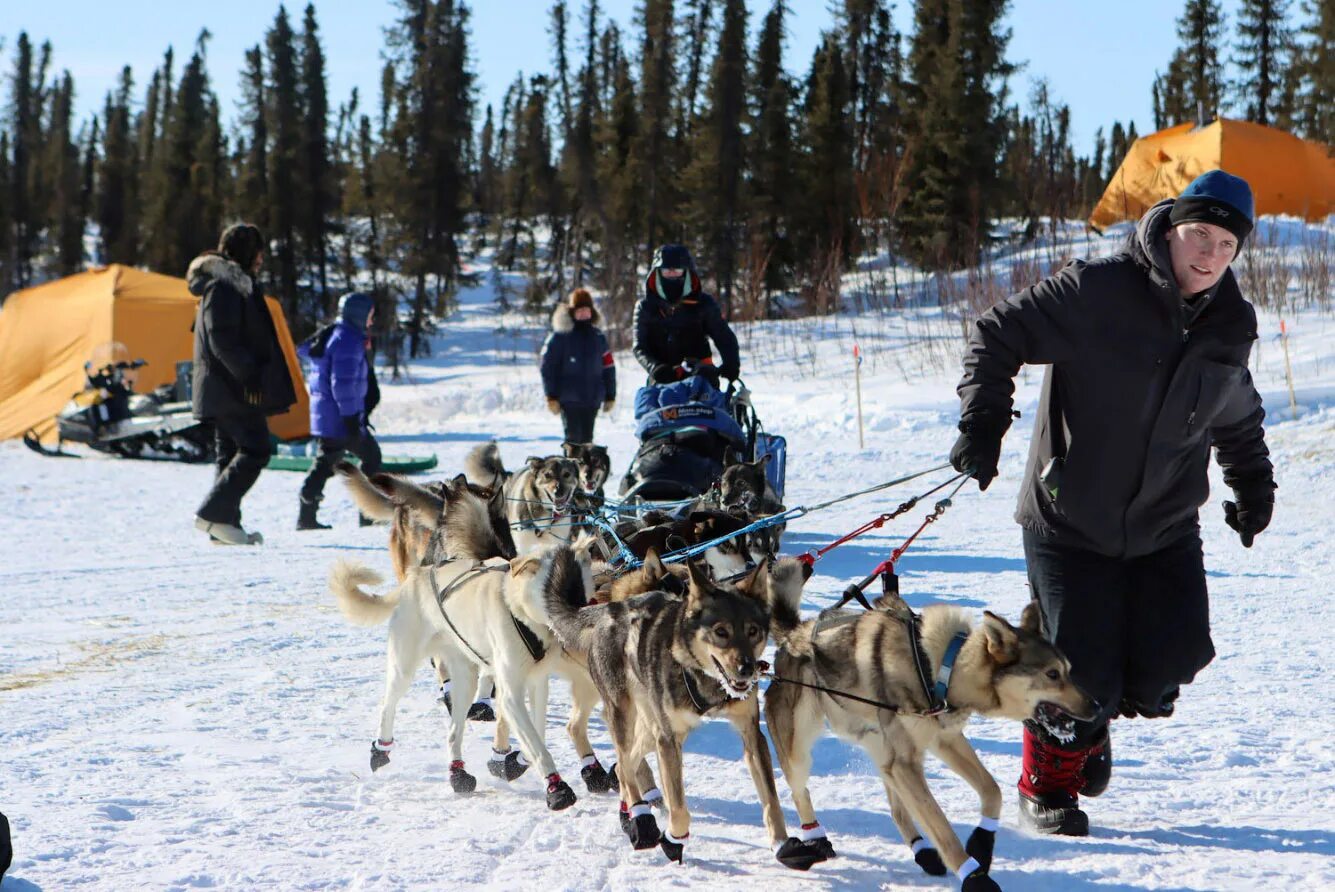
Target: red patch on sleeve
(607, 359)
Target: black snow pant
(242, 443)
(578, 423)
(331, 452)
(1134, 629)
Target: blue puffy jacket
(339, 378)
(577, 366)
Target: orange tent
(1288, 175)
(48, 332)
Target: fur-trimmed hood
(564, 323)
(211, 266)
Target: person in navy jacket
(340, 384)
(578, 373)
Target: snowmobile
(109, 416)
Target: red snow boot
(1050, 782)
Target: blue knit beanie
(1219, 198)
(354, 307)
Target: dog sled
(690, 432)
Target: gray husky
(662, 663)
(999, 671)
(538, 497)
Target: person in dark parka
(579, 374)
(675, 321)
(1147, 370)
(340, 387)
(240, 375)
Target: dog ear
(569, 450)
(1031, 620)
(754, 586)
(526, 564)
(459, 483)
(1003, 644)
(698, 573)
(653, 564)
(533, 462)
(764, 460)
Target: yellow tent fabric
(1288, 175)
(48, 332)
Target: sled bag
(776, 448)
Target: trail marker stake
(857, 377)
(1288, 369)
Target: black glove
(710, 374)
(1250, 514)
(352, 425)
(731, 372)
(978, 448)
(664, 373)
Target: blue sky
(1098, 57)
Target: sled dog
(537, 498)
(744, 491)
(481, 614)
(662, 664)
(595, 466)
(999, 671)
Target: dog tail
(359, 607)
(564, 601)
(786, 579)
(483, 465)
(372, 501)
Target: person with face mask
(675, 321)
(578, 372)
(1146, 355)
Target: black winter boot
(1050, 782)
(306, 519)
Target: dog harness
(702, 706)
(443, 594)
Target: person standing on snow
(1147, 370)
(579, 374)
(675, 322)
(240, 375)
(340, 388)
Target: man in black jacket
(1146, 353)
(240, 374)
(676, 320)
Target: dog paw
(799, 855)
(559, 794)
(673, 847)
(928, 858)
(461, 781)
(640, 826)
(380, 754)
(980, 845)
(481, 712)
(597, 779)
(979, 881)
(508, 766)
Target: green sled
(393, 464)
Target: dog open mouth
(734, 688)
(1056, 721)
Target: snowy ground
(178, 715)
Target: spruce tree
(251, 197)
(825, 225)
(314, 172)
(287, 193)
(1314, 114)
(1198, 65)
(116, 200)
(652, 162)
(63, 175)
(23, 219)
(1262, 54)
(714, 176)
(770, 155)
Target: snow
(178, 715)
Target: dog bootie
(559, 794)
(927, 857)
(674, 848)
(974, 878)
(982, 841)
(597, 779)
(1098, 765)
(798, 855)
(481, 711)
(461, 781)
(507, 766)
(306, 517)
(640, 826)
(1050, 782)
(380, 753)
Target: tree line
(676, 126)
